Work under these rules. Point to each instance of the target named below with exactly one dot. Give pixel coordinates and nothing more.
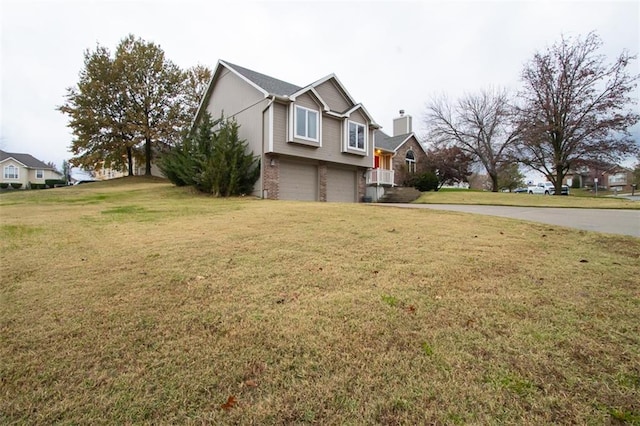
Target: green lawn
(135, 302)
(526, 200)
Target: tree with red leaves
(450, 164)
(575, 108)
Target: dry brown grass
(145, 303)
(526, 200)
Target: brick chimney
(402, 124)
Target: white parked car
(541, 188)
(546, 188)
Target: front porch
(380, 177)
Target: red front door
(377, 162)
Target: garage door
(341, 185)
(298, 181)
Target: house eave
(325, 106)
(17, 161)
(338, 82)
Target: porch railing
(380, 177)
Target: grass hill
(137, 302)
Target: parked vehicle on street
(564, 190)
(541, 188)
(547, 188)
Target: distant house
(614, 177)
(25, 169)
(315, 142)
(397, 156)
(619, 178)
(106, 173)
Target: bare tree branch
(575, 108)
(479, 124)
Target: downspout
(262, 162)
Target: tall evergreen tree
(215, 162)
(510, 176)
(66, 170)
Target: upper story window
(306, 123)
(39, 174)
(410, 160)
(618, 178)
(356, 136)
(11, 172)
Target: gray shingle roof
(271, 85)
(26, 159)
(388, 143)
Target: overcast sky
(389, 55)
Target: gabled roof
(270, 86)
(26, 160)
(389, 143)
(324, 79)
(316, 95)
(365, 112)
(263, 82)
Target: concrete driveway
(625, 222)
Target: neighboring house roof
(607, 168)
(26, 160)
(392, 143)
(619, 169)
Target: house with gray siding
(315, 142)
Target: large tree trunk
(494, 182)
(558, 182)
(130, 160)
(147, 152)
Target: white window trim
(295, 123)
(41, 172)
(17, 172)
(366, 142)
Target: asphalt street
(625, 222)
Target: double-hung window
(356, 136)
(410, 160)
(39, 174)
(306, 123)
(11, 172)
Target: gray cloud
(389, 55)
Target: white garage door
(298, 181)
(341, 185)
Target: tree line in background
(130, 106)
(573, 111)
